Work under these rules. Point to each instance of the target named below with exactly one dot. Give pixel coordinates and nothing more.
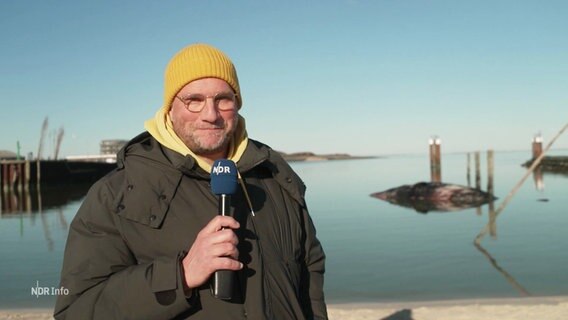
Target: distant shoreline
(310, 156)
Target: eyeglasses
(224, 101)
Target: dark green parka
(125, 245)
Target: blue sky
(362, 77)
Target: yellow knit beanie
(195, 62)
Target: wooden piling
(536, 152)
(15, 174)
(11, 176)
(477, 171)
(38, 173)
(27, 171)
(490, 167)
(536, 146)
(468, 175)
(5, 176)
(1, 191)
(21, 176)
(435, 160)
(516, 188)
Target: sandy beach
(545, 308)
(549, 308)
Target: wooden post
(516, 188)
(27, 174)
(490, 172)
(537, 146)
(11, 175)
(38, 175)
(435, 160)
(468, 169)
(5, 176)
(1, 188)
(536, 152)
(477, 171)
(20, 174)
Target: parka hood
(146, 148)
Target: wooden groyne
(555, 164)
(436, 165)
(551, 164)
(22, 182)
(37, 199)
(21, 174)
(15, 174)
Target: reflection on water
(522, 291)
(492, 227)
(436, 196)
(538, 179)
(39, 198)
(540, 173)
(31, 203)
(375, 251)
(378, 252)
(442, 197)
(34, 223)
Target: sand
(543, 308)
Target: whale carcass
(435, 196)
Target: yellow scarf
(161, 128)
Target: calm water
(376, 251)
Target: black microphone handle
(222, 281)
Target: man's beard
(197, 144)
(199, 147)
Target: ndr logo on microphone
(219, 169)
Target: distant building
(112, 146)
(7, 155)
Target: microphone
(223, 184)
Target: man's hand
(214, 249)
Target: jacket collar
(255, 154)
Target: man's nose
(209, 112)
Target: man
(147, 238)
